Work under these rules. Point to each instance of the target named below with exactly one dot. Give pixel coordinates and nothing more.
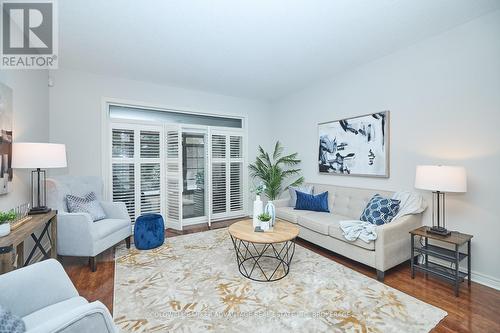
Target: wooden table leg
(20, 255)
(53, 237)
(6, 261)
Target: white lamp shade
(29, 155)
(441, 178)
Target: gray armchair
(77, 234)
(44, 297)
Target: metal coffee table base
(253, 256)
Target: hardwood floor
(476, 310)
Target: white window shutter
(174, 176)
(150, 171)
(236, 173)
(124, 186)
(122, 168)
(219, 174)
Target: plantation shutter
(150, 172)
(236, 173)
(123, 169)
(219, 174)
(227, 174)
(174, 176)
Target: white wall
(30, 123)
(30, 112)
(76, 108)
(444, 98)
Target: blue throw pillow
(316, 203)
(380, 210)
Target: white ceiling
(263, 49)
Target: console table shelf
(453, 256)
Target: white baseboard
(486, 280)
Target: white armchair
(44, 297)
(77, 234)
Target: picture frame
(355, 146)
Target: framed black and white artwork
(5, 138)
(357, 146)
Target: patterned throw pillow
(10, 323)
(380, 210)
(87, 204)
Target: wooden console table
(47, 222)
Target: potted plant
(274, 171)
(264, 219)
(5, 219)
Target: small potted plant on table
(264, 219)
(5, 219)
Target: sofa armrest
(74, 234)
(392, 246)
(21, 295)
(115, 210)
(281, 202)
(92, 317)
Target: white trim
(486, 280)
(178, 109)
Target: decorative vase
(257, 210)
(271, 210)
(4, 229)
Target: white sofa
(391, 247)
(44, 297)
(77, 234)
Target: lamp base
(39, 210)
(439, 231)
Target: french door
(227, 181)
(137, 167)
(189, 174)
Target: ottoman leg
(127, 242)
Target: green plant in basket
(264, 217)
(6, 217)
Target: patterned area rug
(192, 284)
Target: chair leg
(127, 241)
(93, 264)
(380, 275)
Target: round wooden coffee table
(264, 256)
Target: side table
(454, 257)
(47, 222)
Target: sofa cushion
(106, 227)
(290, 214)
(41, 316)
(335, 232)
(328, 224)
(319, 221)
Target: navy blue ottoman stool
(149, 231)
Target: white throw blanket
(411, 203)
(354, 229)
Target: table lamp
(440, 179)
(38, 156)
